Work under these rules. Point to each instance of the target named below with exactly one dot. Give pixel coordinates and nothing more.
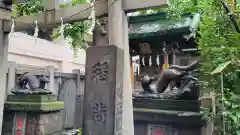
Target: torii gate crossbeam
(52, 16)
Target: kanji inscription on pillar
(100, 72)
(118, 110)
(99, 111)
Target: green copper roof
(156, 24)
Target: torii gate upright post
(118, 35)
(4, 15)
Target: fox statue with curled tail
(35, 85)
(184, 80)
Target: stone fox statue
(173, 73)
(100, 34)
(32, 81)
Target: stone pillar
(51, 79)
(128, 124)
(3, 66)
(108, 93)
(103, 93)
(118, 36)
(11, 76)
(51, 4)
(79, 101)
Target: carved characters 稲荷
(99, 111)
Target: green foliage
(29, 7)
(80, 131)
(178, 8)
(77, 33)
(207, 114)
(73, 3)
(218, 43)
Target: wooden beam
(49, 19)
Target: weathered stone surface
(34, 106)
(174, 94)
(49, 123)
(152, 116)
(167, 116)
(38, 91)
(8, 122)
(162, 104)
(71, 132)
(32, 98)
(103, 91)
(44, 123)
(33, 103)
(39, 115)
(79, 111)
(158, 128)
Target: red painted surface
(19, 123)
(19, 132)
(159, 132)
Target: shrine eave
(157, 24)
(175, 31)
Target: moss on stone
(32, 98)
(34, 106)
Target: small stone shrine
(168, 112)
(33, 110)
(165, 99)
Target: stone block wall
(48, 123)
(43, 123)
(32, 115)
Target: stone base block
(32, 115)
(167, 117)
(33, 103)
(151, 121)
(163, 104)
(32, 123)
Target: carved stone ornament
(176, 82)
(100, 33)
(35, 85)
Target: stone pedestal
(32, 115)
(103, 94)
(167, 117)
